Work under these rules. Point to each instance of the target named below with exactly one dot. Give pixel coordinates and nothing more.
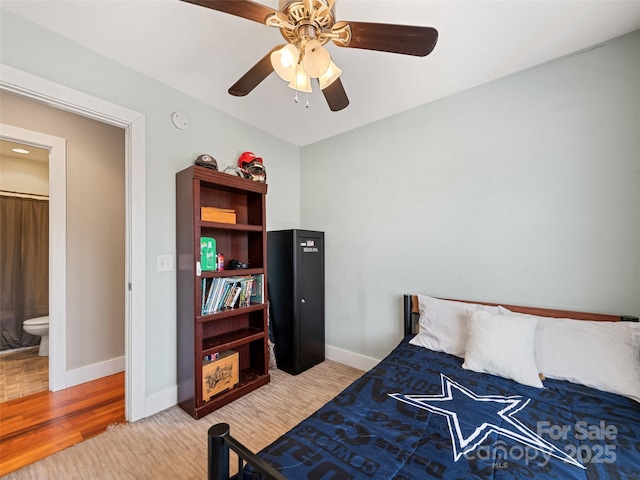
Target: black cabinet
(296, 295)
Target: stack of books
(223, 293)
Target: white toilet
(39, 326)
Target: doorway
(133, 123)
(24, 283)
(91, 284)
(56, 148)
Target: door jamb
(57, 245)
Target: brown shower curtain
(24, 267)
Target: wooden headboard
(412, 312)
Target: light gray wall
(525, 190)
(95, 226)
(34, 50)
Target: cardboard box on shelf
(220, 215)
(220, 374)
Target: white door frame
(68, 99)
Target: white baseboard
(95, 371)
(355, 360)
(159, 401)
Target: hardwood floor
(36, 426)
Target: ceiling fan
(308, 25)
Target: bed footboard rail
(220, 442)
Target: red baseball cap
(248, 157)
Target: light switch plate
(165, 263)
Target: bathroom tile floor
(22, 373)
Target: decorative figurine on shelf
(208, 161)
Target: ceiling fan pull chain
(296, 97)
(307, 105)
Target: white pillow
(502, 345)
(443, 324)
(602, 355)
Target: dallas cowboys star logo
(472, 418)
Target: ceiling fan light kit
(308, 25)
(301, 81)
(330, 76)
(284, 62)
(316, 59)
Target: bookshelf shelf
(232, 273)
(231, 340)
(242, 329)
(232, 312)
(232, 227)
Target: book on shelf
(222, 293)
(257, 293)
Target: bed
(481, 391)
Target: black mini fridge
(295, 282)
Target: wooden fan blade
(404, 39)
(335, 96)
(240, 8)
(254, 75)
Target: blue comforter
(419, 415)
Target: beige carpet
(172, 445)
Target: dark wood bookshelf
(241, 329)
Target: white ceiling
(203, 52)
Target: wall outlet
(165, 263)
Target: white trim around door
(68, 99)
